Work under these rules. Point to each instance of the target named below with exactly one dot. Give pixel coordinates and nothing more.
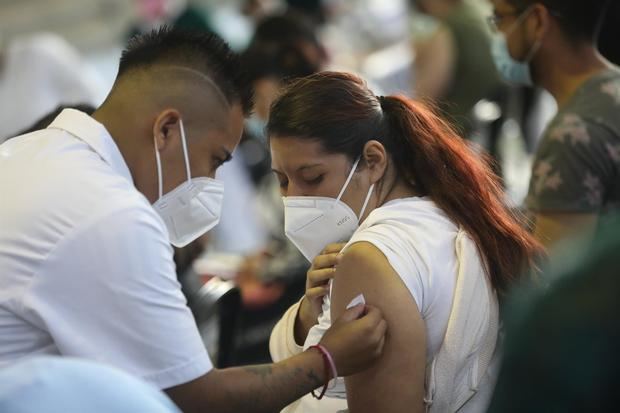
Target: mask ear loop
(346, 183)
(184, 143)
(516, 24)
(533, 51)
(158, 160)
(366, 201)
(518, 21)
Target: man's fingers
(353, 313)
(381, 330)
(379, 349)
(372, 316)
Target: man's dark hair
(580, 19)
(202, 51)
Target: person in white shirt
(429, 241)
(39, 72)
(89, 207)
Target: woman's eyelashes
(303, 182)
(283, 183)
(314, 181)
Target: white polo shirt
(86, 269)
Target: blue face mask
(256, 126)
(510, 69)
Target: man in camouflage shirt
(575, 178)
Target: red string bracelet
(330, 366)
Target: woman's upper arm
(396, 382)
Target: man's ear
(166, 128)
(540, 22)
(376, 158)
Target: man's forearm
(265, 388)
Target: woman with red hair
(428, 240)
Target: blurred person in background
(562, 340)
(315, 10)
(39, 72)
(576, 173)
(86, 266)
(284, 47)
(152, 14)
(257, 10)
(453, 65)
(429, 241)
(608, 40)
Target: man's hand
(356, 339)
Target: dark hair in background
(279, 48)
(339, 111)
(580, 19)
(314, 9)
(202, 51)
(289, 26)
(609, 44)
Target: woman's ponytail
(431, 156)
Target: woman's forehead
(290, 153)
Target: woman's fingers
(334, 248)
(325, 261)
(320, 277)
(316, 292)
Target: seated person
(429, 242)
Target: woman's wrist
(303, 321)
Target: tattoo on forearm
(261, 371)
(269, 394)
(313, 377)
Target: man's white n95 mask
(192, 208)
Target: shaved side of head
(148, 91)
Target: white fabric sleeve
(109, 293)
(282, 343)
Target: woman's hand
(317, 286)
